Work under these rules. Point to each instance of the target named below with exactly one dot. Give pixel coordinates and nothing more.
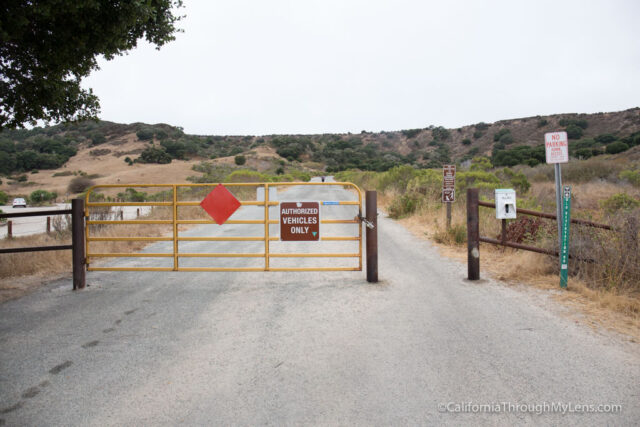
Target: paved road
(38, 224)
(304, 348)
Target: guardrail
(474, 238)
(77, 239)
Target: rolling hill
(48, 158)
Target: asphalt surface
(143, 348)
(26, 226)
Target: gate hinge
(366, 222)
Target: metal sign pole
(558, 174)
(564, 246)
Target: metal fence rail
(77, 238)
(474, 238)
(174, 204)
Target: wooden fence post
(473, 235)
(9, 229)
(371, 201)
(78, 241)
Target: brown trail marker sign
(300, 221)
(448, 188)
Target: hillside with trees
(505, 143)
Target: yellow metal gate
(99, 214)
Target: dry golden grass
(20, 272)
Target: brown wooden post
(138, 213)
(371, 201)
(473, 235)
(9, 229)
(448, 215)
(48, 224)
(503, 231)
(121, 214)
(77, 240)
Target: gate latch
(366, 222)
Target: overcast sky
(305, 66)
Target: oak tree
(48, 46)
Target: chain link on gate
(366, 222)
(173, 204)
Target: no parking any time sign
(556, 146)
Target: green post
(564, 248)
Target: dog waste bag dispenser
(505, 204)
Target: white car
(19, 202)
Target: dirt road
(306, 348)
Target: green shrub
(456, 234)
(240, 160)
(476, 178)
(477, 134)
(294, 175)
(583, 153)
(97, 138)
(403, 205)
(518, 180)
(411, 133)
(605, 138)
(132, 195)
(542, 122)
(518, 155)
(145, 134)
(506, 139)
(632, 176)
(246, 175)
(589, 170)
(482, 126)
(4, 198)
(440, 133)
(154, 155)
(574, 131)
(617, 147)
(618, 202)
(632, 140)
(481, 164)
(65, 173)
(581, 123)
(280, 171)
(397, 177)
(128, 160)
(79, 184)
(41, 196)
(466, 141)
(500, 134)
(175, 149)
(427, 183)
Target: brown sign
(300, 221)
(448, 183)
(448, 195)
(448, 176)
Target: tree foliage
(47, 47)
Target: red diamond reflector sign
(220, 204)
